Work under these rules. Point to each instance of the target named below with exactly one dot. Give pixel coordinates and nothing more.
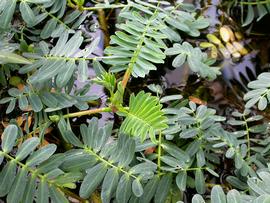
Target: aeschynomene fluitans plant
(163, 145)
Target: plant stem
(78, 58)
(104, 26)
(137, 51)
(126, 77)
(248, 138)
(91, 152)
(194, 169)
(88, 112)
(159, 153)
(255, 3)
(104, 7)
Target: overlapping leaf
(107, 164)
(259, 93)
(196, 59)
(27, 175)
(50, 101)
(61, 62)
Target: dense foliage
(159, 148)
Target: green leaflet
(9, 137)
(66, 73)
(9, 57)
(196, 59)
(27, 13)
(7, 13)
(150, 187)
(233, 196)
(41, 155)
(137, 188)
(109, 185)
(92, 180)
(217, 195)
(35, 102)
(181, 180)
(250, 16)
(7, 176)
(199, 181)
(17, 190)
(123, 191)
(43, 192)
(29, 189)
(197, 199)
(57, 195)
(259, 92)
(48, 29)
(27, 147)
(163, 188)
(23, 102)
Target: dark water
(235, 73)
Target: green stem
(255, 3)
(91, 152)
(88, 112)
(193, 169)
(52, 16)
(77, 59)
(159, 153)
(248, 137)
(105, 7)
(137, 51)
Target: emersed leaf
(197, 199)
(7, 13)
(41, 155)
(35, 102)
(123, 191)
(181, 180)
(151, 188)
(197, 60)
(137, 188)
(43, 192)
(92, 180)
(17, 190)
(7, 176)
(27, 147)
(27, 13)
(57, 195)
(109, 185)
(217, 195)
(233, 196)
(260, 92)
(199, 181)
(9, 57)
(250, 16)
(144, 116)
(163, 188)
(9, 137)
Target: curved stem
(255, 3)
(88, 112)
